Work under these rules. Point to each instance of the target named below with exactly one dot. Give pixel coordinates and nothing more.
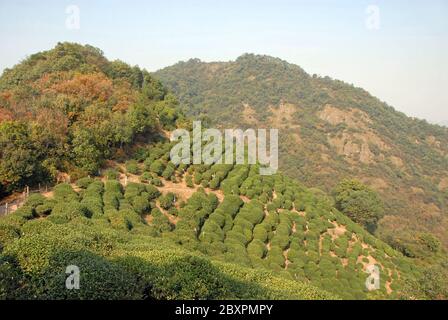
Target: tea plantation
(148, 229)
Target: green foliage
(359, 203)
(84, 182)
(157, 167)
(152, 191)
(189, 181)
(64, 212)
(35, 200)
(431, 284)
(169, 171)
(72, 109)
(20, 157)
(132, 167)
(112, 174)
(387, 148)
(64, 192)
(167, 200)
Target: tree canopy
(359, 202)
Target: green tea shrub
(146, 177)
(132, 167)
(167, 200)
(252, 212)
(169, 171)
(24, 212)
(8, 234)
(157, 167)
(64, 212)
(256, 249)
(281, 241)
(112, 174)
(160, 221)
(45, 208)
(34, 200)
(218, 218)
(84, 182)
(211, 232)
(153, 192)
(275, 257)
(189, 181)
(260, 232)
(64, 193)
(141, 204)
(134, 189)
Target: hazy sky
(395, 49)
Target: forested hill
(145, 228)
(329, 130)
(66, 110)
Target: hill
(329, 131)
(137, 226)
(68, 109)
(193, 232)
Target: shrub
(118, 221)
(189, 181)
(25, 212)
(146, 177)
(275, 257)
(218, 218)
(256, 249)
(64, 212)
(169, 171)
(34, 200)
(132, 167)
(157, 182)
(160, 221)
(153, 192)
(105, 279)
(8, 234)
(167, 201)
(211, 232)
(173, 211)
(280, 241)
(94, 205)
(214, 183)
(140, 204)
(252, 212)
(44, 209)
(260, 232)
(64, 193)
(84, 182)
(112, 174)
(157, 167)
(134, 189)
(197, 178)
(96, 187)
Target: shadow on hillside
(122, 278)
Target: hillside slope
(144, 228)
(68, 109)
(192, 232)
(329, 130)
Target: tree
(86, 154)
(359, 202)
(431, 284)
(19, 157)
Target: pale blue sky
(404, 62)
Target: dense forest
(329, 131)
(69, 109)
(140, 227)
